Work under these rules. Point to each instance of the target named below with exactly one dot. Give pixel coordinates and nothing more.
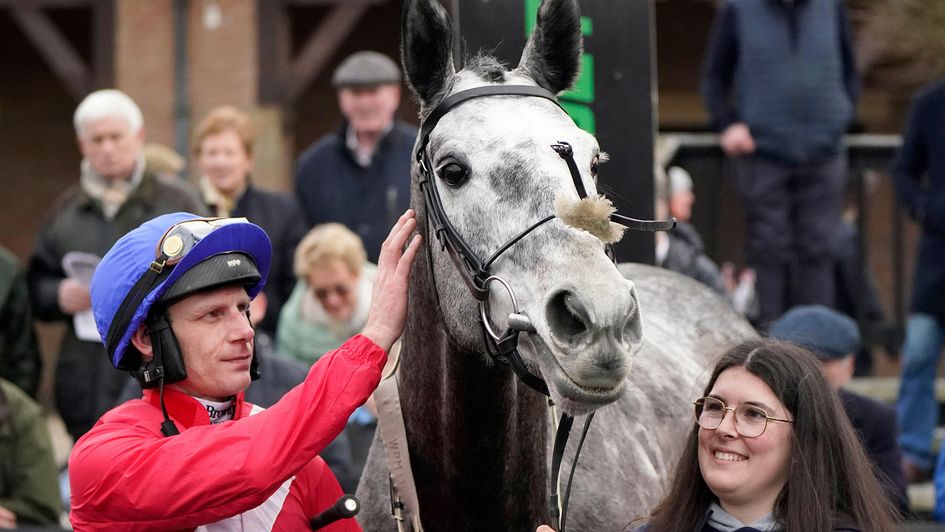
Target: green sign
(579, 100)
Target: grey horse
(478, 437)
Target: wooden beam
(103, 43)
(274, 49)
(37, 4)
(55, 48)
(321, 46)
(330, 2)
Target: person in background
(332, 296)
(682, 250)
(780, 85)
(29, 491)
(770, 450)
(919, 175)
(223, 150)
(835, 339)
(330, 303)
(116, 192)
(20, 362)
(359, 176)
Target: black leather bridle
(476, 273)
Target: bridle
(477, 276)
(477, 273)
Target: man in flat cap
(835, 338)
(360, 175)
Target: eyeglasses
(180, 238)
(750, 420)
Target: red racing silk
(259, 471)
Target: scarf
(111, 194)
(220, 204)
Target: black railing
(717, 212)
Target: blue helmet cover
(133, 254)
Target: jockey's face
(216, 339)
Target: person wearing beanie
(359, 176)
(835, 338)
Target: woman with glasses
(771, 450)
(330, 301)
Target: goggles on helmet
(181, 237)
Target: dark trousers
(793, 215)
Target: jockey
(171, 301)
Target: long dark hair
(831, 481)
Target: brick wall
(144, 62)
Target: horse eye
(595, 165)
(454, 174)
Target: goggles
(180, 238)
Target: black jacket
(19, 351)
(332, 187)
(919, 174)
(875, 424)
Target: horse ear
(552, 56)
(425, 48)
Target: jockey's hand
(388, 313)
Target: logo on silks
(221, 414)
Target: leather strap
(405, 507)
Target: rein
(476, 273)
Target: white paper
(80, 266)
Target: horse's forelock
(487, 67)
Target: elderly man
(115, 192)
(835, 338)
(359, 176)
(172, 303)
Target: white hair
(108, 103)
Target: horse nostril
(566, 316)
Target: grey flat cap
(365, 68)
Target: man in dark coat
(359, 176)
(919, 174)
(116, 192)
(779, 82)
(835, 338)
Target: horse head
(496, 174)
